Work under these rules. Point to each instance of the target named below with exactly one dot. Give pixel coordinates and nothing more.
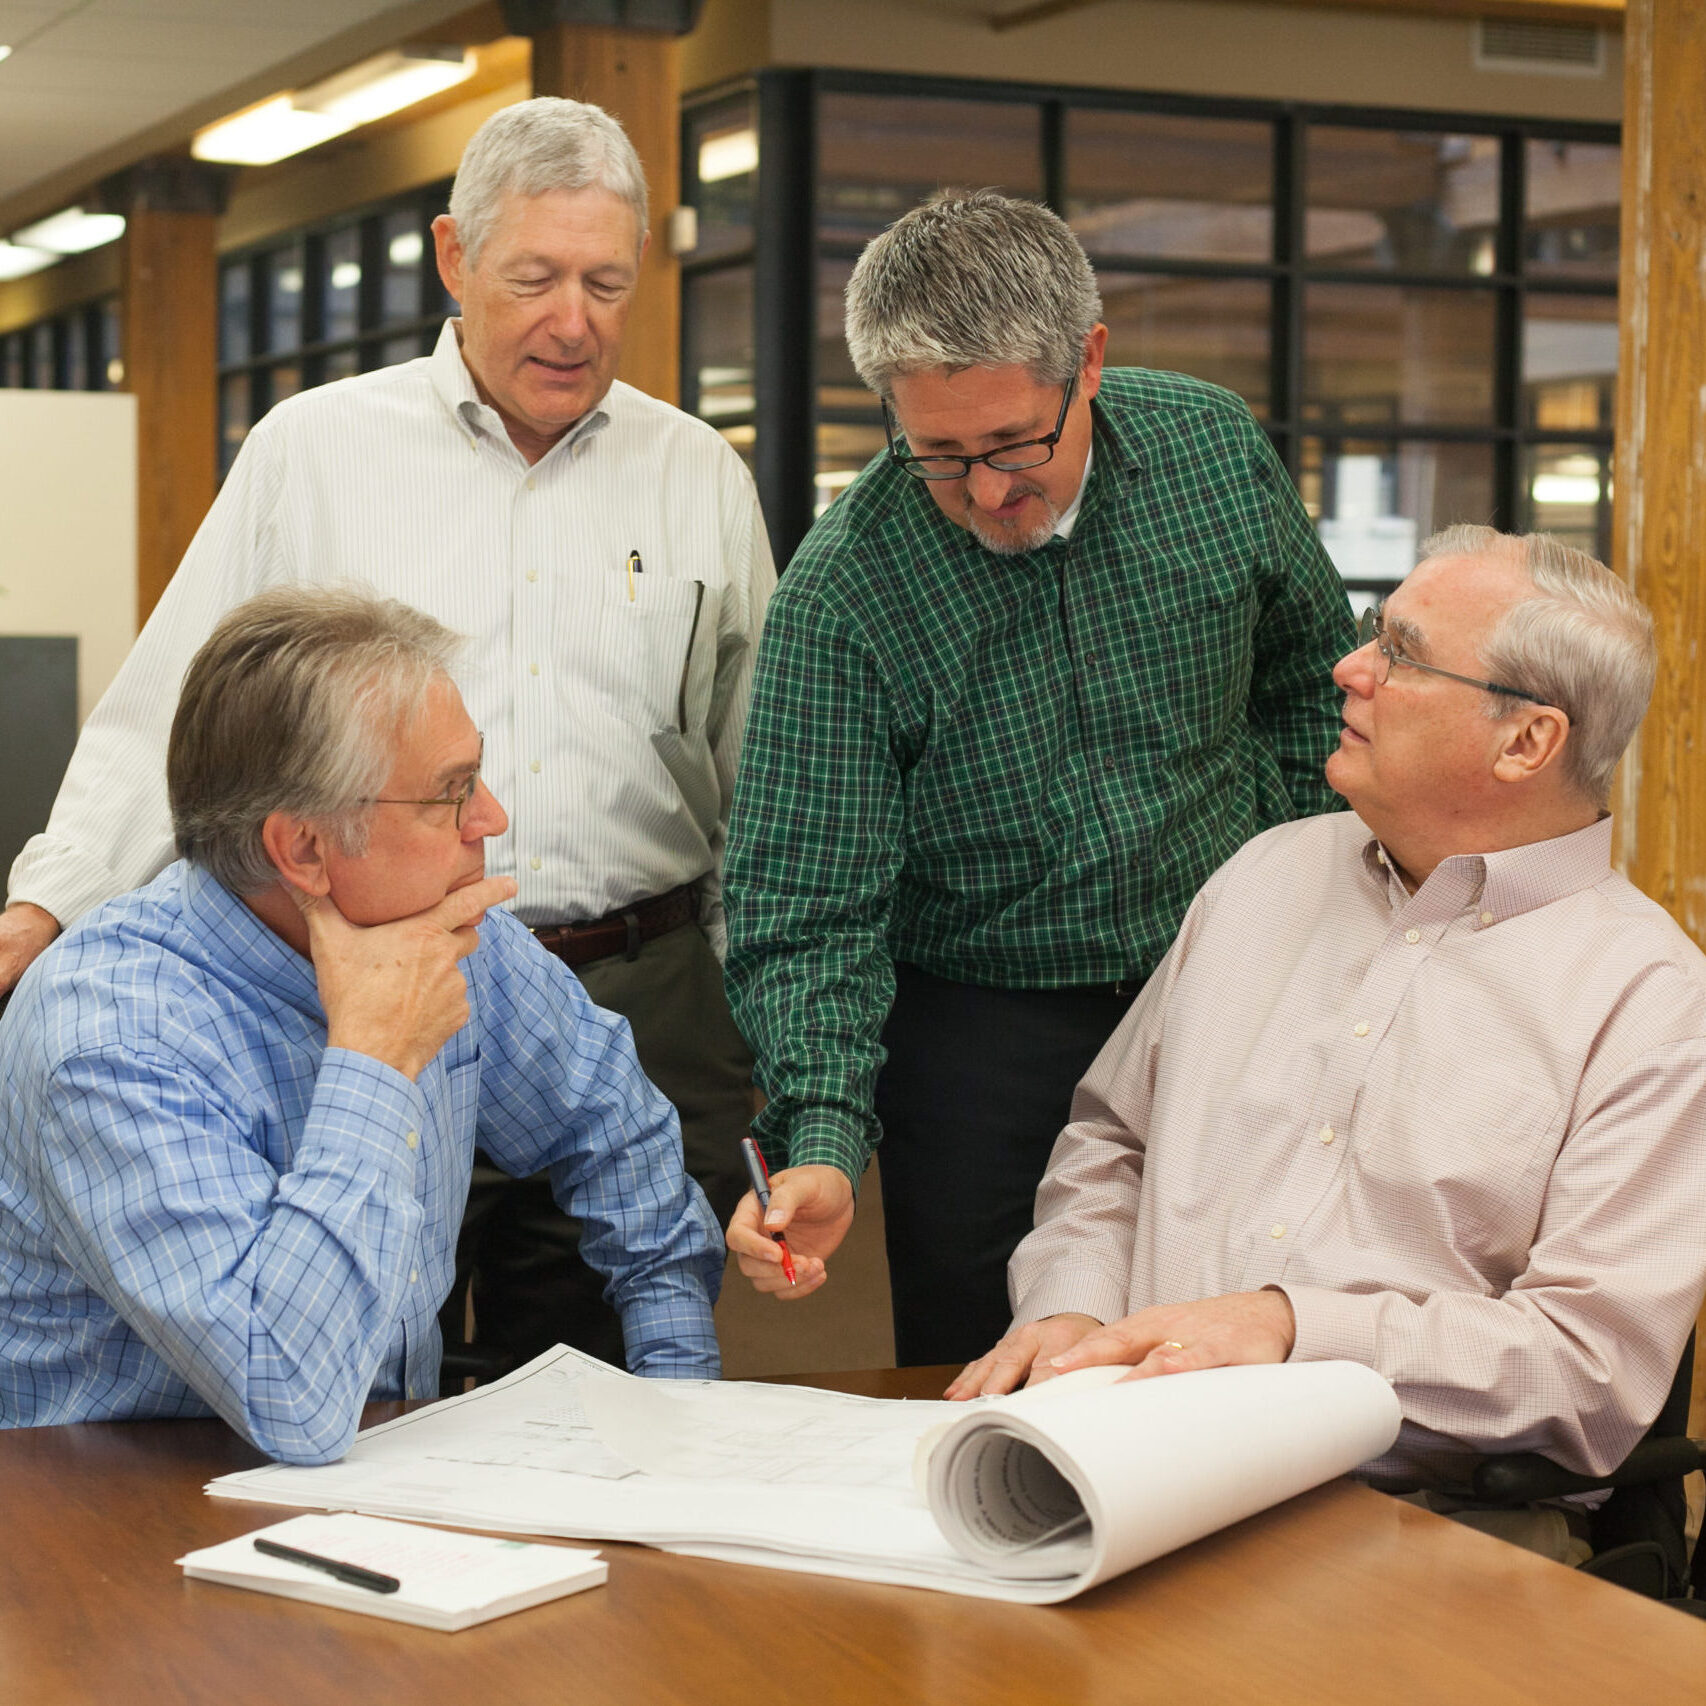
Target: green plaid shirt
(1017, 770)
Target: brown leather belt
(621, 932)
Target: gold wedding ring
(1171, 1345)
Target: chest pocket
(1474, 1175)
(654, 657)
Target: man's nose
(1354, 672)
(483, 816)
(989, 487)
(568, 313)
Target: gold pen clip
(635, 566)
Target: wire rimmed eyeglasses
(1004, 459)
(1371, 626)
(459, 799)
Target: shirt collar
(244, 945)
(475, 419)
(1508, 883)
(1069, 516)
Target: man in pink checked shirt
(1420, 1085)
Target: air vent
(1554, 50)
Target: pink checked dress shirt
(1463, 1130)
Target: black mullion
(1285, 355)
(1507, 333)
(370, 294)
(1052, 140)
(785, 305)
(311, 331)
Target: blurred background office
(1395, 227)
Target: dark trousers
(974, 1092)
(518, 1254)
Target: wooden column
(1661, 457)
(635, 75)
(169, 308)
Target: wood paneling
(634, 75)
(1661, 458)
(171, 319)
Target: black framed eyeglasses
(459, 799)
(1006, 459)
(1371, 626)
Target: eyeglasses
(1008, 459)
(1371, 626)
(458, 799)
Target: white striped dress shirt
(1463, 1130)
(612, 704)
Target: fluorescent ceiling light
(17, 262)
(260, 135)
(72, 231)
(287, 124)
(5, 52)
(387, 83)
(731, 155)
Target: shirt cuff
(61, 880)
(363, 1108)
(1100, 1296)
(1332, 1326)
(827, 1137)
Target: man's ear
(447, 250)
(297, 850)
(1535, 742)
(1095, 353)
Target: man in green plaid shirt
(1037, 673)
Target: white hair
(1583, 643)
(971, 278)
(536, 146)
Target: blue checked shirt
(204, 1209)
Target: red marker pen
(759, 1174)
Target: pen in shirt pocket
(635, 567)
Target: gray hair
(1583, 643)
(536, 146)
(971, 278)
(293, 704)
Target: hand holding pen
(803, 1210)
(759, 1175)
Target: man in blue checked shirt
(242, 1102)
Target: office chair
(1637, 1534)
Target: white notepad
(448, 1581)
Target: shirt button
(1412, 936)
(533, 574)
(1486, 918)
(530, 483)
(535, 863)
(412, 1138)
(533, 669)
(1109, 761)
(1360, 1028)
(1326, 1134)
(414, 1276)
(1277, 1230)
(534, 766)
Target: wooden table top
(1341, 1595)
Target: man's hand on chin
(396, 991)
(1173, 1338)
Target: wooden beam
(1661, 452)
(170, 311)
(635, 75)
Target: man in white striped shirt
(1424, 1086)
(605, 556)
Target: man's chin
(1011, 540)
